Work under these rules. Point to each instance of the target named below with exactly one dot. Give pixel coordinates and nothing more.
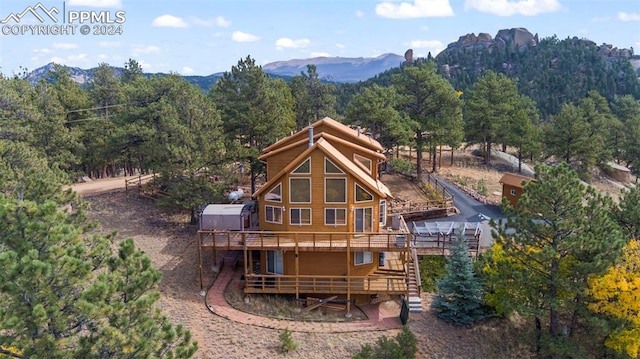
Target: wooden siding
(318, 204)
(512, 198)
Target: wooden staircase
(414, 285)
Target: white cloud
(42, 51)
(186, 70)
(108, 44)
(425, 44)
(359, 13)
(71, 60)
(320, 54)
(202, 22)
(287, 43)
(144, 49)
(239, 36)
(64, 45)
(222, 22)
(508, 8)
(146, 67)
(415, 9)
(103, 57)
(634, 16)
(96, 3)
(169, 21)
(340, 46)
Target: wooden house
(513, 186)
(323, 227)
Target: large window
(383, 213)
(335, 216)
(275, 195)
(300, 216)
(363, 258)
(363, 219)
(362, 195)
(300, 190)
(273, 214)
(275, 262)
(335, 190)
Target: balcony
(319, 284)
(392, 241)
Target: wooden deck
(304, 241)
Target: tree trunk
(434, 165)
(538, 335)
(419, 155)
(520, 161)
(487, 154)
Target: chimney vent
(310, 136)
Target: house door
(274, 262)
(363, 219)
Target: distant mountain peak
(338, 69)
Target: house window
(304, 168)
(335, 190)
(362, 195)
(273, 214)
(335, 216)
(275, 195)
(331, 168)
(383, 213)
(300, 190)
(513, 192)
(275, 262)
(363, 258)
(364, 162)
(300, 216)
(363, 219)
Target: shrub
(403, 346)
(287, 344)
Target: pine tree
(64, 293)
(459, 297)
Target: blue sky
(204, 37)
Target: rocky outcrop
(516, 40)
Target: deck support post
(349, 236)
(297, 265)
(248, 261)
(199, 239)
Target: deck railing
(271, 283)
(308, 241)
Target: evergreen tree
(64, 293)
(431, 108)
(313, 99)
(560, 233)
(459, 297)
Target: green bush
(432, 268)
(403, 346)
(287, 344)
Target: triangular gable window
(362, 195)
(304, 168)
(275, 195)
(331, 168)
(364, 162)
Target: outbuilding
(513, 186)
(225, 217)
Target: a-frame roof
(330, 138)
(350, 134)
(339, 160)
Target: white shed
(224, 217)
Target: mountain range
(351, 70)
(330, 69)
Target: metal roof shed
(230, 217)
